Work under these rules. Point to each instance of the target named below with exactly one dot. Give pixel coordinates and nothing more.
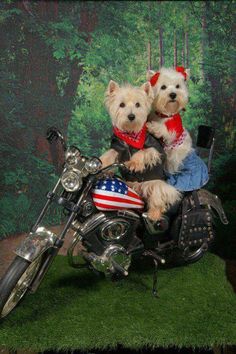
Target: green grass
(75, 309)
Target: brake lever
(110, 167)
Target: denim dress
(193, 174)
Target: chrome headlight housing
(72, 156)
(93, 165)
(71, 180)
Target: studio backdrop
(56, 60)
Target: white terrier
(131, 143)
(186, 170)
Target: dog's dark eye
(177, 86)
(137, 104)
(122, 105)
(163, 87)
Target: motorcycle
(110, 226)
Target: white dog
(129, 107)
(186, 170)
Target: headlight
(72, 155)
(93, 165)
(71, 181)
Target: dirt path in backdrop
(8, 245)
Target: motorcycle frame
(48, 240)
(27, 248)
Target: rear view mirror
(205, 136)
(54, 134)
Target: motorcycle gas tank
(114, 194)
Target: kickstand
(154, 286)
(156, 259)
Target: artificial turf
(75, 309)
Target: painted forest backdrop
(56, 60)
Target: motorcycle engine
(107, 239)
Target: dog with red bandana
(131, 144)
(185, 170)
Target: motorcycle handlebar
(54, 134)
(111, 167)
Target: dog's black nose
(131, 116)
(173, 95)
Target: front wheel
(16, 282)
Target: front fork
(74, 207)
(59, 240)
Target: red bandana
(174, 123)
(135, 140)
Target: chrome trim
(128, 214)
(92, 223)
(36, 243)
(109, 235)
(191, 254)
(113, 253)
(152, 226)
(21, 287)
(75, 260)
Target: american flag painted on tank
(113, 194)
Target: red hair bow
(154, 79)
(181, 70)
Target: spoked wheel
(16, 282)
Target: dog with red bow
(185, 170)
(132, 145)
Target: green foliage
(45, 54)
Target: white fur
(158, 194)
(170, 78)
(162, 105)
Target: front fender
(36, 243)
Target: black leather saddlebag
(196, 224)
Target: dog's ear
(188, 74)
(149, 74)
(147, 88)
(113, 86)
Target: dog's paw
(154, 214)
(135, 165)
(136, 186)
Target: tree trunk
(160, 31)
(44, 106)
(186, 50)
(217, 113)
(149, 55)
(161, 48)
(203, 41)
(175, 50)
(183, 51)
